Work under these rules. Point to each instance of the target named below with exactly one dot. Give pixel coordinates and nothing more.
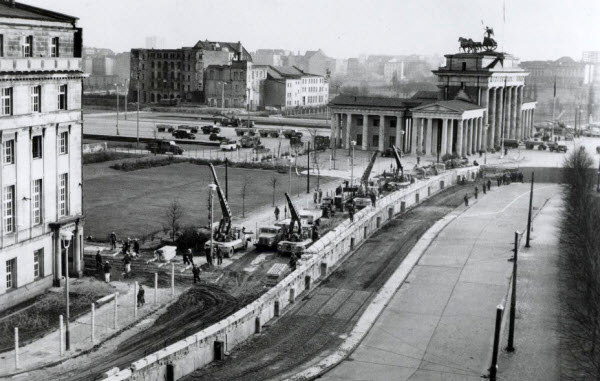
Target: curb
(381, 300)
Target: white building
(393, 67)
(288, 87)
(40, 131)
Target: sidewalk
(537, 337)
(439, 324)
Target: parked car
(216, 137)
(210, 129)
(183, 134)
(249, 141)
(229, 145)
(164, 147)
(511, 143)
(290, 133)
(248, 123)
(558, 147)
(164, 128)
(229, 122)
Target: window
(36, 147)
(9, 209)
(1, 45)
(360, 121)
(11, 273)
(63, 142)
(36, 99)
(393, 123)
(6, 100)
(63, 191)
(62, 97)
(28, 47)
(464, 66)
(8, 148)
(37, 201)
(359, 139)
(376, 122)
(38, 263)
(375, 140)
(54, 47)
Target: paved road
(440, 323)
(318, 323)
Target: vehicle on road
(249, 141)
(210, 129)
(183, 134)
(226, 121)
(164, 128)
(511, 143)
(192, 129)
(229, 145)
(164, 147)
(216, 137)
(558, 147)
(531, 144)
(388, 152)
(269, 237)
(290, 133)
(320, 142)
(297, 240)
(237, 239)
(248, 123)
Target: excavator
(226, 237)
(296, 241)
(366, 194)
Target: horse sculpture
(467, 45)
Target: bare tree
(246, 182)
(315, 154)
(273, 183)
(173, 217)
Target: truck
(216, 137)
(210, 129)
(249, 141)
(292, 132)
(365, 192)
(237, 239)
(269, 237)
(229, 145)
(558, 147)
(320, 142)
(192, 129)
(297, 240)
(183, 134)
(226, 121)
(164, 128)
(164, 147)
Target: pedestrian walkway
(537, 338)
(439, 325)
(47, 350)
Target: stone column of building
(399, 137)
(532, 120)
(514, 108)
(348, 130)
(77, 254)
(465, 137)
(340, 138)
(414, 124)
(507, 113)
(481, 140)
(444, 144)
(365, 132)
(475, 135)
(428, 135)
(381, 133)
(421, 136)
(450, 134)
(499, 115)
(491, 119)
(333, 133)
(459, 137)
(57, 257)
(469, 136)
(518, 112)
(528, 126)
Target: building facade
(178, 74)
(288, 87)
(41, 131)
(240, 85)
(393, 68)
(480, 101)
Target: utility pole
(117, 91)
(126, 96)
(138, 112)
(513, 300)
(530, 207)
(226, 181)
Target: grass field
(133, 204)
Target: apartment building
(288, 87)
(41, 227)
(240, 85)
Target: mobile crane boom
(225, 223)
(295, 217)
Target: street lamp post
(117, 91)
(352, 144)
(211, 189)
(65, 238)
(138, 113)
(126, 96)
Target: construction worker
(141, 300)
(276, 213)
(127, 263)
(476, 192)
(466, 198)
(113, 241)
(98, 261)
(484, 189)
(489, 184)
(107, 268)
(196, 272)
(293, 261)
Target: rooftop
(24, 11)
(352, 100)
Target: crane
(399, 166)
(295, 217)
(225, 223)
(364, 180)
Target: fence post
(61, 335)
(155, 288)
(16, 348)
(172, 279)
(494, 367)
(115, 325)
(529, 214)
(93, 323)
(135, 291)
(513, 300)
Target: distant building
(393, 68)
(313, 61)
(272, 57)
(154, 42)
(41, 134)
(287, 87)
(240, 85)
(178, 74)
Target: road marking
(509, 204)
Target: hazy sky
(534, 29)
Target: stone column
(459, 137)
(480, 136)
(333, 133)
(348, 130)
(444, 145)
(514, 108)
(413, 135)
(421, 136)
(57, 257)
(499, 115)
(77, 254)
(507, 113)
(450, 134)
(365, 132)
(469, 136)
(381, 133)
(491, 130)
(429, 128)
(531, 121)
(518, 121)
(399, 137)
(486, 115)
